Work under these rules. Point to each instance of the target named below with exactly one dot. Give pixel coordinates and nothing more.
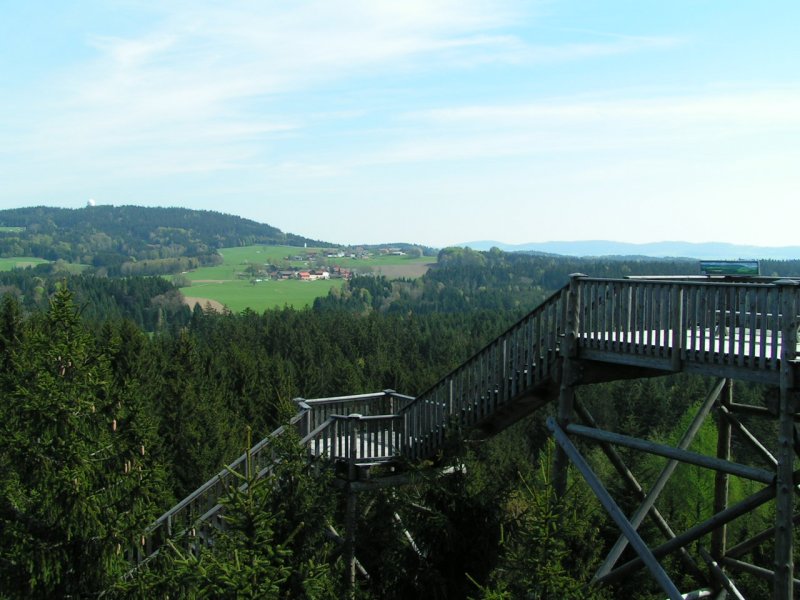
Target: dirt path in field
(191, 301)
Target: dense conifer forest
(117, 401)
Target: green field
(11, 229)
(241, 294)
(226, 283)
(19, 262)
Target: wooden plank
(596, 314)
(703, 323)
(536, 364)
(605, 316)
(774, 311)
(611, 308)
(587, 310)
(652, 324)
(647, 320)
(626, 317)
(664, 314)
(743, 316)
(547, 329)
(678, 320)
(639, 331)
(697, 316)
(759, 349)
(733, 322)
(617, 318)
(530, 348)
(723, 318)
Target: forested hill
(109, 236)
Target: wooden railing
(357, 439)
(691, 322)
(387, 402)
(518, 360)
(204, 501)
(323, 427)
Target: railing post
(566, 397)
(307, 426)
(353, 426)
(784, 498)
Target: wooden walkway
(614, 328)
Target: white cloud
(221, 73)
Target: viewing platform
(592, 330)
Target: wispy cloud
(583, 124)
(741, 108)
(222, 75)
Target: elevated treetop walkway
(592, 330)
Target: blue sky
(421, 121)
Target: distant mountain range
(705, 250)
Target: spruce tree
(75, 488)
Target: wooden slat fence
(700, 322)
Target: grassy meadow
(228, 284)
(20, 262)
(239, 295)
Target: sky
(420, 121)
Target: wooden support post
(566, 396)
(350, 539)
(353, 422)
(719, 536)
(784, 499)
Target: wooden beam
(663, 478)
(696, 532)
(693, 458)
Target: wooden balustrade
(734, 325)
